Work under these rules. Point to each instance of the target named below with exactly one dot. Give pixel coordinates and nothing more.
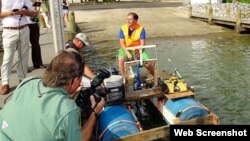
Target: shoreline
(168, 22)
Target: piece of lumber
(143, 94)
(152, 134)
(210, 119)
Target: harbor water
(216, 65)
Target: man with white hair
(80, 41)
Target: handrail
(140, 47)
(140, 50)
(136, 61)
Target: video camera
(83, 100)
(35, 19)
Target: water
(218, 66)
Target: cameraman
(41, 110)
(34, 38)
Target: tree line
(243, 1)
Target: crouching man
(41, 108)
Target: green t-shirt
(38, 113)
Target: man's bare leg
(150, 68)
(121, 61)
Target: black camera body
(15, 10)
(83, 100)
(34, 19)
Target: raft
(175, 105)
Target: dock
(238, 22)
(225, 21)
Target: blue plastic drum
(115, 122)
(185, 108)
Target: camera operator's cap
(84, 38)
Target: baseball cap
(84, 38)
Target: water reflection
(218, 66)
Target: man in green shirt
(42, 110)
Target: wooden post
(71, 27)
(189, 12)
(238, 27)
(206, 10)
(228, 11)
(210, 15)
(68, 36)
(156, 73)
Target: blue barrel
(115, 122)
(114, 71)
(185, 108)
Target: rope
(190, 107)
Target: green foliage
(243, 1)
(246, 1)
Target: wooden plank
(223, 20)
(143, 94)
(224, 23)
(156, 74)
(210, 119)
(148, 135)
(179, 95)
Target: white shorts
(65, 11)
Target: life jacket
(134, 38)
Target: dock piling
(190, 12)
(71, 27)
(238, 27)
(210, 15)
(228, 11)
